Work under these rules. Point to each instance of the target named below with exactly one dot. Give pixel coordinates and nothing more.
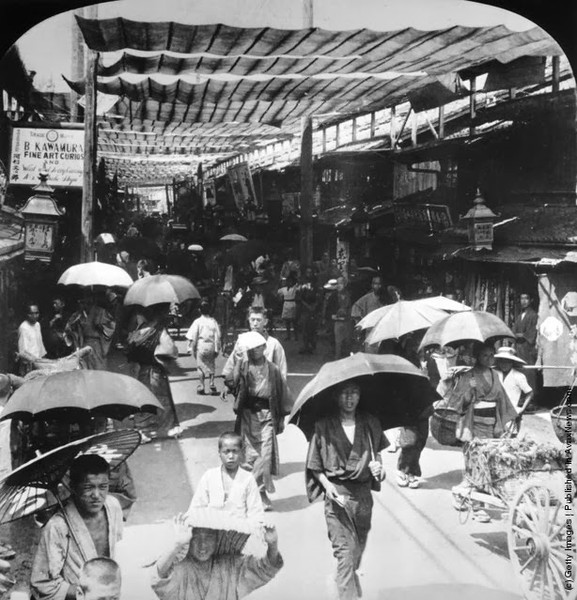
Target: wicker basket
(561, 417)
(444, 425)
(494, 476)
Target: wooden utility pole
(77, 67)
(88, 189)
(306, 163)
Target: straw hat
(331, 285)
(507, 353)
(251, 340)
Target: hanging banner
(242, 186)
(343, 255)
(58, 152)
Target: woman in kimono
(343, 462)
(204, 344)
(479, 397)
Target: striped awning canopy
(208, 91)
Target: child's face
(203, 544)
(230, 454)
(256, 353)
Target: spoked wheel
(538, 539)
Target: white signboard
(59, 152)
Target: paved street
(417, 544)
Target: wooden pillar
(472, 106)
(414, 128)
(88, 188)
(556, 74)
(373, 125)
(324, 131)
(355, 129)
(306, 163)
(167, 200)
(441, 121)
(392, 128)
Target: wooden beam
(441, 121)
(398, 137)
(414, 128)
(337, 135)
(373, 125)
(306, 209)
(472, 106)
(392, 129)
(90, 140)
(355, 126)
(324, 130)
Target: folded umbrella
(392, 389)
(37, 485)
(474, 325)
(95, 273)
(161, 289)
(83, 391)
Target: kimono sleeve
(46, 577)
(201, 497)
(254, 507)
(255, 572)
(192, 334)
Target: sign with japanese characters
(58, 152)
(435, 217)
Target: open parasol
(398, 319)
(95, 273)
(161, 289)
(392, 389)
(37, 485)
(233, 237)
(232, 533)
(443, 303)
(474, 325)
(195, 248)
(72, 392)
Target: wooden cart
(540, 521)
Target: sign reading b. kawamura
(58, 152)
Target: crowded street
(288, 303)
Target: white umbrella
(233, 237)
(400, 318)
(96, 273)
(195, 248)
(446, 304)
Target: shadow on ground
(495, 541)
(446, 592)
(445, 480)
(189, 411)
(210, 429)
(290, 504)
(289, 468)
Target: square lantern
(480, 220)
(41, 215)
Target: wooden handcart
(531, 484)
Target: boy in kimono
(191, 569)
(90, 527)
(228, 487)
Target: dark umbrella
(392, 389)
(79, 392)
(37, 485)
(246, 252)
(161, 289)
(473, 325)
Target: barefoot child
(204, 345)
(228, 487)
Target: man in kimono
(274, 352)
(90, 526)
(30, 344)
(100, 579)
(191, 569)
(262, 400)
(369, 302)
(525, 330)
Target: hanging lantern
(480, 221)
(41, 215)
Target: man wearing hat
(262, 399)
(514, 381)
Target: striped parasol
(232, 532)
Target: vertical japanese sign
(242, 186)
(59, 152)
(343, 255)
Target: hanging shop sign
(343, 256)
(58, 152)
(434, 217)
(242, 186)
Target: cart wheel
(537, 543)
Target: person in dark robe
(525, 330)
(343, 461)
